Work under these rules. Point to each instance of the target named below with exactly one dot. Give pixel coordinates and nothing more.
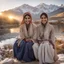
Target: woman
(44, 50)
(23, 47)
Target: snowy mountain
(28, 8)
(37, 9)
(47, 8)
(58, 11)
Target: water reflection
(14, 30)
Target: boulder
(7, 61)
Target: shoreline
(8, 36)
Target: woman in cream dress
(44, 49)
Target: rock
(8, 46)
(1, 57)
(11, 53)
(17, 62)
(7, 61)
(61, 57)
(7, 53)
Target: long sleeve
(52, 35)
(35, 34)
(21, 33)
(38, 32)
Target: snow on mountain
(58, 11)
(17, 10)
(47, 8)
(37, 9)
(28, 8)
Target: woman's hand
(29, 40)
(19, 40)
(18, 44)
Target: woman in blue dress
(22, 48)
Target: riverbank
(8, 36)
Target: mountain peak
(41, 4)
(37, 9)
(25, 5)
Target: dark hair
(44, 14)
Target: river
(14, 30)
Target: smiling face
(44, 19)
(27, 19)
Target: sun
(11, 17)
(0, 13)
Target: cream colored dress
(45, 52)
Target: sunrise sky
(9, 4)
